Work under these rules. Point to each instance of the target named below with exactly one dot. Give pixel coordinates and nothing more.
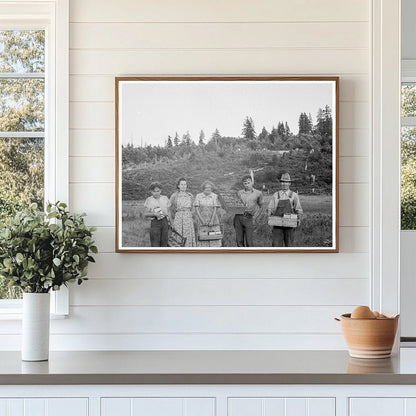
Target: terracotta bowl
(369, 338)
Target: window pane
(22, 105)
(22, 108)
(22, 51)
(408, 178)
(21, 182)
(408, 99)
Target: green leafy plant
(43, 251)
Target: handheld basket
(288, 220)
(209, 233)
(175, 239)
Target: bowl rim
(388, 317)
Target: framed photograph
(226, 164)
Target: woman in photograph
(181, 204)
(206, 207)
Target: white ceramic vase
(35, 326)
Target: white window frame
(53, 17)
(408, 75)
(385, 151)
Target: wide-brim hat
(285, 178)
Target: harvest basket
(288, 220)
(175, 239)
(369, 338)
(210, 233)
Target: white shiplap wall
(251, 301)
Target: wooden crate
(288, 220)
(231, 201)
(207, 235)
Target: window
(408, 149)
(22, 124)
(33, 112)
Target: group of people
(178, 211)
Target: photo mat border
(224, 250)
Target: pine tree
(186, 139)
(287, 129)
(201, 138)
(169, 142)
(281, 129)
(176, 139)
(324, 122)
(248, 129)
(216, 136)
(273, 136)
(263, 135)
(305, 125)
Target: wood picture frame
(268, 143)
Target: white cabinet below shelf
(382, 406)
(160, 406)
(271, 406)
(44, 407)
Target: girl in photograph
(157, 209)
(181, 203)
(206, 207)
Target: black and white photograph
(226, 164)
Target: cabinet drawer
(382, 406)
(281, 406)
(44, 407)
(159, 406)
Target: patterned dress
(206, 205)
(182, 203)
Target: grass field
(314, 231)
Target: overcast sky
(150, 111)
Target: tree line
(280, 137)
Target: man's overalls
(283, 236)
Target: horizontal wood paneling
(218, 35)
(99, 88)
(96, 88)
(352, 239)
(200, 319)
(219, 291)
(99, 201)
(88, 115)
(218, 11)
(191, 341)
(354, 170)
(93, 143)
(222, 62)
(354, 200)
(231, 265)
(105, 239)
(91, 169)
(224, 301)
(102, 169)
(354, 142)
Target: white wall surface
(214, 301)
(408, 29)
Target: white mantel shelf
(207, 367)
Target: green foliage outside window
(408, 160)
(21, 110)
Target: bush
(40, 252)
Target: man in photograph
(244, 223)
(284, 202)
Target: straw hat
(285, 178)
